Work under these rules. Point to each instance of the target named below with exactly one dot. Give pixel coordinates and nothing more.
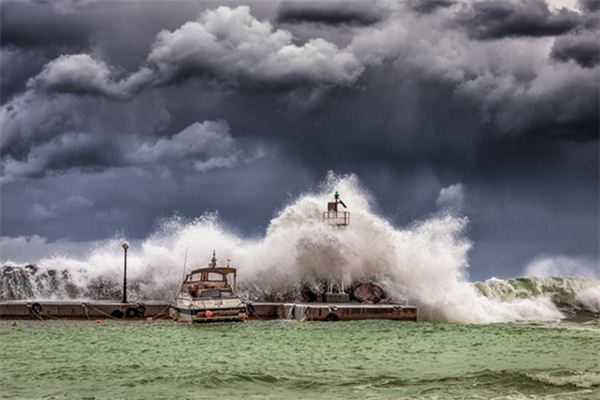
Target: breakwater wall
(48, 310)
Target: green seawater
(283, 359)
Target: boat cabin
(210, 282)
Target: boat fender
(331, 317)
(35, 308)
(141, 310)
(208, 313)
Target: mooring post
(125, 246)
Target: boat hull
(209, 314)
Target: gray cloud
(428, 6)
(558, 101)
(495, 19)
(227, 44)
(590, 5)
(69, 150)
(330, 12)
(582, 48)
(207, 145)
(77, 74)
(200, 147)
(230, 42)
(27, 25)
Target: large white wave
(590, 298)
(425, 263)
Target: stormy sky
(117, 114)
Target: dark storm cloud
(227, 44)
(558, 102)
(205, 108)
(496, 19)
(200, 147)
(70, 150)
(428, 6)
(330, 12)
(17, 67)
(31, 34)
(582, 48)
(590, 5)
(28, 25)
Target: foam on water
(425, 263)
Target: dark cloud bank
(114, 117)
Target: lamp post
(125, 246)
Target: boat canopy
(215, 270)
(211, 275)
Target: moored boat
(208, 295)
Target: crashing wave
(565, 293)
(425, 263)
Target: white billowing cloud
(231, 43)
(452, 197)
(228, 44)
(564, 266)
(77, 74)
(208, 145)
(380, 43)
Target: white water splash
(425, 263)
(560, 265)
(590, 298)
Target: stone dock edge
(153, 310)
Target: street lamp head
(125, 245)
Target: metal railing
(336, 218)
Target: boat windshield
(215, 277)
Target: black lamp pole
(125, 246)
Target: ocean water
(292, 360)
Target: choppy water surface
(280, 359)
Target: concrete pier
(43, 310)
(46, 310)
(332, 311)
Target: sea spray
(589, 298)
(425, 263)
